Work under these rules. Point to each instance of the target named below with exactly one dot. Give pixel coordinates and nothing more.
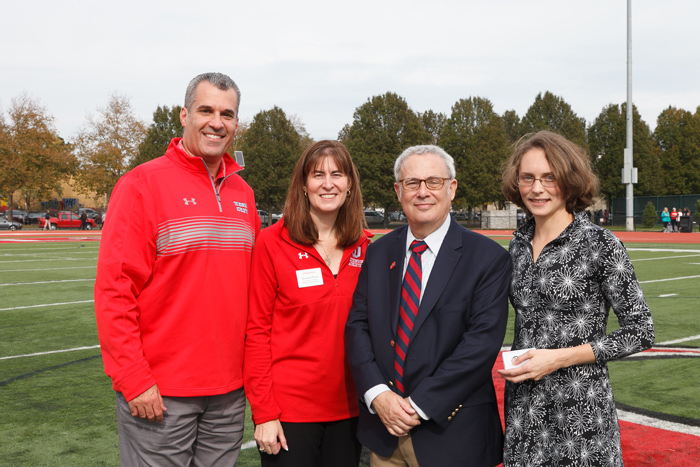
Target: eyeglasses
(548, 181)
(431, 183)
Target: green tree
(511, 121)
(607, 139)
(33, 158)
(550, 112)
(271, 146)
(166, 126)
(475, 136)
(677, 141)
(106, 145)
(649, 216)
(433, 122)
(382, 128)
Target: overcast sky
(320, 60)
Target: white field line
(48, 269)
(663, 250)
(677, 341)
(249, 444)
(43, 260)
(656, 423)
(42, 254)
(46, 304)
(53, 249)
(47, 282)
(669, 279)
(664, 257)
(50, 352)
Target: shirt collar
(434, 240)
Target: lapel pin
(393, 263)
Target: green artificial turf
(58, 409)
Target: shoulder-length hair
(569, 163)
(297, 214)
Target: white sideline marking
(672, 250)
(665, 257)
(249, 444)
(47, 282)
(668, 295)
(48, 269)
(656, 423)
(43, 260)
(46, 304)
(677, 341)
(669, 279)
(50, 352)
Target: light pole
(629, 173)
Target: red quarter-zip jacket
(295, 367)
(171, 295)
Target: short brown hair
(570, 165)
(297, 214)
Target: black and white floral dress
(568, 417)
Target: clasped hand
(270, 437)
(396, 413)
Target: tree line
(34, 159)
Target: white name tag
(309, 277)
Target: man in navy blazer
(447, 414)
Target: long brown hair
(297, 214)
(570, 165)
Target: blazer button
(454, 413)
(449, 419)
(391, 383)
(460, 406)
(392, 343)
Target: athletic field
(57, 405)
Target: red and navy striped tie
(410, 298)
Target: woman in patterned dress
(567, 274)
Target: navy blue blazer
(456, 339)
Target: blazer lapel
(396, 256)
(445, 263)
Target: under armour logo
(303, 255)
(188, 201)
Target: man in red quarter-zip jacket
(171, 290)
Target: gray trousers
(202, 431)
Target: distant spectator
(665, 218)
(606, 217)
(104, 216)
(686, 212)
(674, 220)
(47, 224)
(83, 221)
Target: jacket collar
(179, 156)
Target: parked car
(92, 214)
(6, 224)
(17, 215)
(396, 216)
(33, 218)
(264, 215)
(374, 218)
(66, 220)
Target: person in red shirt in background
(303, 276)
(674, 220)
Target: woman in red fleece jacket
(303, 276)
